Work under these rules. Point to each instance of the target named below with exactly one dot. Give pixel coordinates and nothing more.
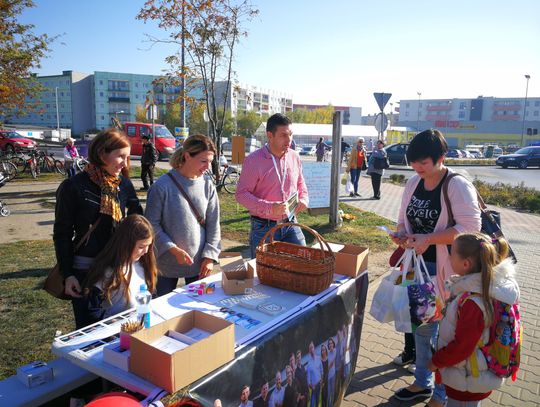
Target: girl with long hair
(94, 200)
(118, 271)
(484, 274)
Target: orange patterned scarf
(110, 204)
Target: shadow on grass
(234, 220)
(24, 274)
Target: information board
(317, 177)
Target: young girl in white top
(484, 273)
(118, 271)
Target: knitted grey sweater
(175, 224)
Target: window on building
(102, 117)
(61, 116)
(61, 93)
(62, 105)
(537, 103)
(407, 105)
(406, 114)
(462, 105)
(527, 103)
(102, 105)
(47, 105)
(536, 113)
(101, 82)
(136, 84)
(100, 94)
(461, 115)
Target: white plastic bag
(349, 188)
(382, 307)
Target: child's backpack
(503, 350)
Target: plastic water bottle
(143, 298)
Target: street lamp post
(57, 116)
(524, 108)
(418, 113)
(447, 114)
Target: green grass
(29, 317)
(362, 231)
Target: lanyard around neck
(281, 177)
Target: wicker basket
(293, 267)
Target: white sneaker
(402, 359)
(412, 368)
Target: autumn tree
(321, 115)
(21, 51)
(211, 30)
(140, 114)
(248, 122)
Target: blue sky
(322, 52)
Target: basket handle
(271, 232)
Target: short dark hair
(429, 143)
(276, 120)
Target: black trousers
(147, 172)
(376, 184)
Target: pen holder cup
(125, 340)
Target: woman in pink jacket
(423, 225)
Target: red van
(165, 142)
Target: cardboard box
(115, 356)
(351, 260)
(176, 371)
(235, 277)
(35, 374)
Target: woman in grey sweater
(377, 163)
(188, 235)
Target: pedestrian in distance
(70, 153)
(423, 225)
(126, 262)
(320, 149)
(183, 208)
(270, 177)
(93, 201)
(376, 166)
(344, 147)
(149, 159)
(357, 163)
(484, 274)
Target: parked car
(497, 152)
(522, 158)
(466, 154)
(453, 153)
(308, 150)
(165, 141)
(11, 141)
(476, 153)
(397, 153)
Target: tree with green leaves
(321, 115)
(21, 51)
(210, 31)
(248, 122)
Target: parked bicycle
(228, 178)
(31, 164)
(49, 163)
(4, 210)
(8, 169)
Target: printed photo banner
(310, 358)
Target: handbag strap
(199, 218)
(86, 235)
(481, 204)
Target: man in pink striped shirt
(270, 176)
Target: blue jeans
(355, 177)
(290, 234)
(425, 338)
(315, 396)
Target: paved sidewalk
(376, 378)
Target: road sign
(381, 122)
(181, 131)
(382, 99)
